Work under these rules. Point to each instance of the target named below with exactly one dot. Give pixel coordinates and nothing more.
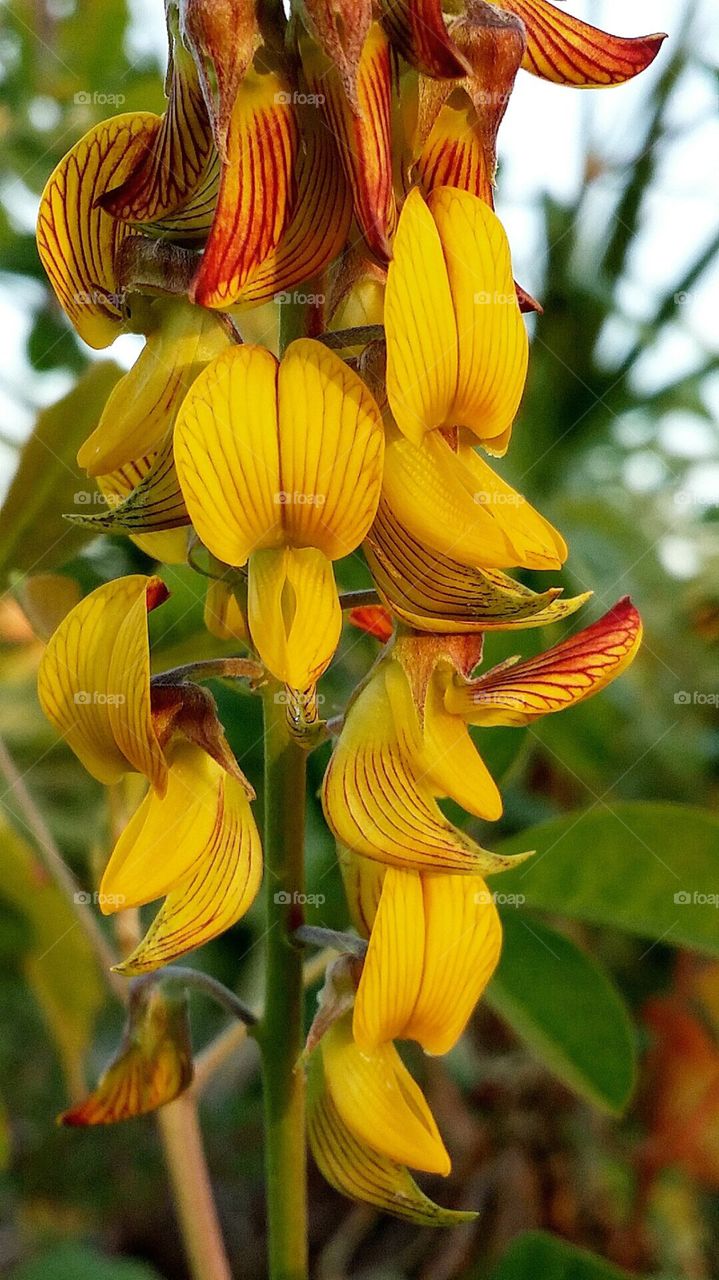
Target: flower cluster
(354, 146)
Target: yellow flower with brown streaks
(193, 840)
(280, 464)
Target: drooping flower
(152, 1066)
(193, 839)
(280, 465)
(405, 739)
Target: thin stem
(340, 339)
(182, 1141)
(195, 978)
(347, 943)
(280, 1033)
(212, 669)
(356, 599)
(59, 870)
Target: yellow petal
(566, 50)
(432, 592)
(422, 359)
(143, 405)
(452, 761)
(209, 856)
(294, 613)
(331, 450)
(153, 1066)
(227, 454)
(460, 508)
(362, 879)
(77, 241)
(256, 189)
(455, 153)
(392, 969)
(153, 504)
(355, 1169)
(319, 224)
(380, 1103)
(462, 942)
(566, 674)
(224, 618)
(169, 547)
(130, 712)
(174, 163)
(491, 337)
(74, 681)
(377, 797)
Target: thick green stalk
(280, 1033)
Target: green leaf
(536, 1254)
(566, 1009)
(652, 869)
(75, 1262)
(59, 964)
(48, 482)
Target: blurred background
(582, 1108)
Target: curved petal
(74, 681)
(566, 674)
(364, 137)
(452, 762)
(417, 29)
(210, 856)
(225, 35)
(153, 1067)
(77, 241)
(376, 796)
(432, 592)
(142, 406)
(568, 51)
(318, 227)
(492, 344)
(168, 547)
(130, 711)
(256, 189)
(460, 508)
(173, 164)
(455, 153)
(380, 1103)
(362, 879)
(224, 618)
(422, 359)
(392, 969)
(331, 450)
(294, 613)
(462, 943)
(227, 454)
(355, 1169)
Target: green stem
(280, 1033)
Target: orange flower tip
(374, 619)
(526, 302)
(157, 593)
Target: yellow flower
(280, 465)
(368, 1120)
(405, 739)
(434, 943)
(193, 839)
